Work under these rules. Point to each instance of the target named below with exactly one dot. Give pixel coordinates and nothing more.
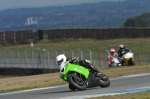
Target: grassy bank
(136, 45)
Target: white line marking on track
(8, 93)
(116, 92)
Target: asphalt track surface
(134, 83)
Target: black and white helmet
(121, 46)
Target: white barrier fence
(44, 58)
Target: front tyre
(76, 81)
(131, 62)
(71, 87)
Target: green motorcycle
(80, 78)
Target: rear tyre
(104, 81)
(76, 81)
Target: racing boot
(97, 73)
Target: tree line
(142, 20)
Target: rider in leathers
(112, 53)
(84, 63)
(121, 49)
(75, 60)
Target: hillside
(96, 15)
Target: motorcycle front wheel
(131, 62)
(71, 87)
(76, 81)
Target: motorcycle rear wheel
(77, 83)
(104, 81)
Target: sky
(7, 4)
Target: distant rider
(61, 59)
(112, 53)
(121, 50)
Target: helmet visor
(121, 47)
(112, 53)
(59, 62)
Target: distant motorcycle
(80, 78)
(115, 61)
(128, 58)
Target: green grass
(31, 87)
(136, 45)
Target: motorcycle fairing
(68, 68)
(127, 57)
